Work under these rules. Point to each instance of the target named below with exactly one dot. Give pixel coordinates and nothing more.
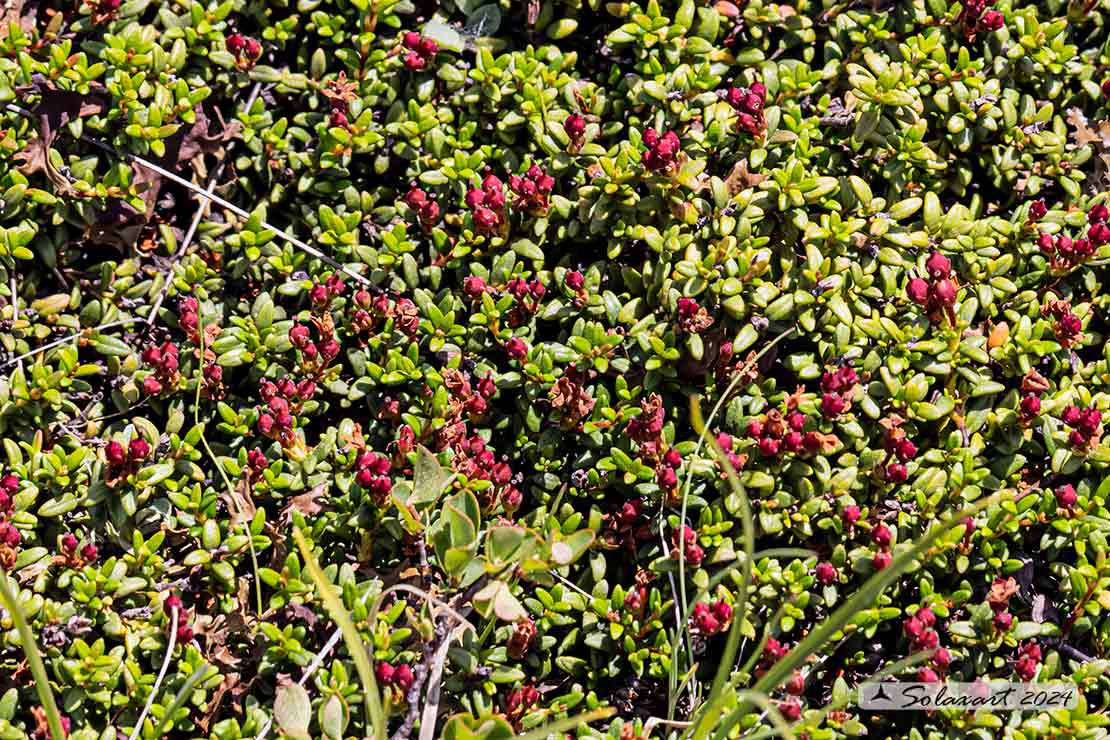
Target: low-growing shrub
(468, 368)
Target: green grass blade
(863, 598)
(747, 533)
(562, 725)
(181, 697)
(34, 659)
(355, 646)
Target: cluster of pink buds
(373, 476)
(282, 399)
(1002, 589)
(9, 487)
(776, 434)
(321, 352)
(245, 49)
(184, 631)
(1033, 384)
(516, 348)
(527, 294)
(1086, 426)
(476, 461)
(685, 541)
(881, 536)
(532, 190)
(212, 378)
(662, 152)
(164, 363)
(420, 50)
(1028, 660)
(635, 599)
(666, 472)
(487, 206)
(919, 628)
(75, 555)
(399, 676)
(837, 390)
(1067, 327)
(123, 461)
(728, 447)
(521, 639)
(9, 535)
(374, 310)
(519, 702)
(321, 294)
(257, 463)
(1065, 253)
(188, 318)
(976, 17)
(692, 317)
(646, 428)
(938, 295)
(712, 618)
(427, 210)
(575, 128)
(901, 448)
(748, 103)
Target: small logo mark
(987, 695)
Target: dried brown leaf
(740, 179)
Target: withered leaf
(239, 503)
(306, 504)
(740, 179)
(231, 680)
(55, 109)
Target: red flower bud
(881, 535)
(516, 348)
(114, 453)
(575, 126)
(917, 290)
(790, 710)
(1066, 496)
(138, 449)
(826, 573)
(944, 291)
(938, 265)
(384, 673)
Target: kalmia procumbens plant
(347, 351)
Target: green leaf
(429, 478)
(293, 710)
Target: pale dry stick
(161, 676)
(336, 636)
(201, 212)
(431, 697)
(570, 584)
(15, 307)
(58, 342)
(135, 159)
